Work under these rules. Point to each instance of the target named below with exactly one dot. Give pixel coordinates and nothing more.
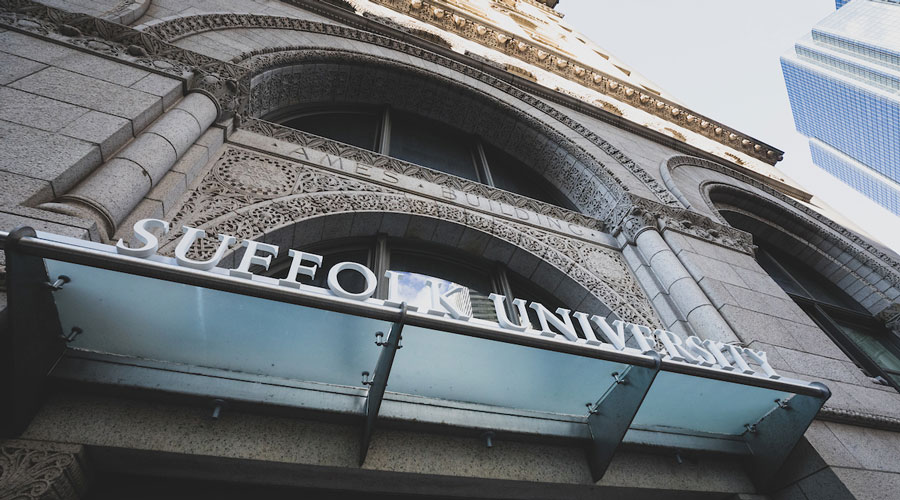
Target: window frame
(480, 162)
(824, 314)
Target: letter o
(367, 274)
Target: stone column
(640, 229)
(115, 188)
(42, 470)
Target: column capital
(42, 470)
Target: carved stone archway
(253, 196)
(282, 81)
(178, 28)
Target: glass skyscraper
(843, 81)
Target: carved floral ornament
(32, 470)
(455, 21)
(233, 199)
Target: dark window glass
(512, 175)
(851, 327)
(524, 289)
(351, 127)
(873, 342)
(429, 143)
(433, 145)
(778, 274)
(814, 285)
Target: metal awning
(154, 311)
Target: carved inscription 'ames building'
(419, 249)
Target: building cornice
(458, 22)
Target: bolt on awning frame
(637, 392)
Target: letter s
(149, 242)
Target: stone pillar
(42, 470)
(115, 188)
(640, 229)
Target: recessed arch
(790, 232)
(347, 77)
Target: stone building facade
(113, 112)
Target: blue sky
(721, 58)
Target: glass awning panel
(147, 318)
(468, 369)
(690, 404)
(152, 309)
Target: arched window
(418, 261)
(424, 142)
(863, 338)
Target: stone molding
(366, 157)
(250, 195)
(457, 22)
(652, 215)
(227, 84)
(258, 61)
(637, 214)
(40, 470)
(846, 240)
(862, 419)
(128, 11)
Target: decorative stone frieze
(249, 195)
(555, 62)
(635, 214)
(40, 470)
(225, 83)
(636, 222)
(338, 149)
(654, 215)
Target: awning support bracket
(611, 416)
(30, 339)
(378, 383)
(778, 432)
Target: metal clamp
(619, 378)
(218, 406)
(488, 437)
(379, 340)
(58, 284)
(72, 335)
(366, 380)
(783, 404)
(751, 428)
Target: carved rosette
(249, 195)
(40, 470)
